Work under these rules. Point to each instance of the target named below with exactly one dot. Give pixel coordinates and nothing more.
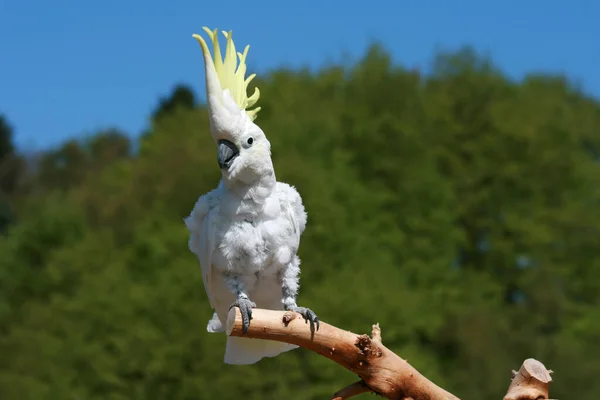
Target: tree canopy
(459, 209)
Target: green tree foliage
(76, 161)
(10, 168)
(460, 210)
(6, 145)
(181, 97)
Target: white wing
(201, 224)
(291, 203)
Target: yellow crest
(230, 74)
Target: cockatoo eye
(248, 142)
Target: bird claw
(309, 316)
(245, 305)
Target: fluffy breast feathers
(204, 219)
(291, 203)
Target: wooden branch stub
(351, 390)
(531, 382)
(376, 334)
(381, 370)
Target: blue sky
(70, 67)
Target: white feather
(201, 224)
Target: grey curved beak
(227, 152)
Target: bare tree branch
(351, 390)
(381, 370)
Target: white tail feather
(249, 351)
(241, 351)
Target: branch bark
(381, 370)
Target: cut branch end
(530, 382)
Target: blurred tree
(181, 96)
(76, 160)
(9, 172)
(6, 133)
(460, 210)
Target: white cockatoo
(246, 232)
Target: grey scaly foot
(245, 305)
(308, 315)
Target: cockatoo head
(244, 153)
